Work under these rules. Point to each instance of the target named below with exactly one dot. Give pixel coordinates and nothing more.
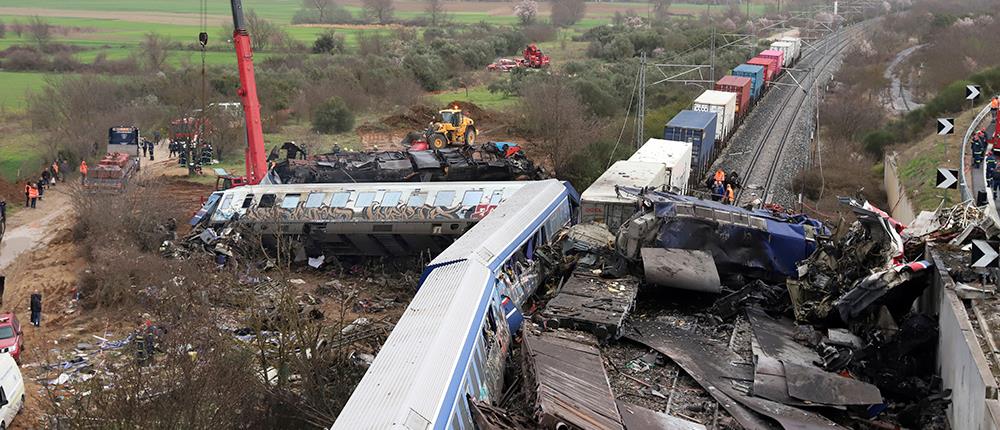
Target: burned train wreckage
(494, 161)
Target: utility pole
(640, 112)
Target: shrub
(333, 117)
(876, 142)
(329, 43)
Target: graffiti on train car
(375, 212)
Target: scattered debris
(640, 418)
(591, 303)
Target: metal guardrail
(966, 172)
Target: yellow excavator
(450, 127)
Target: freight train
(717, 113)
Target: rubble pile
(745, 341)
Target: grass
(14, 89)
(477, 95)
(20, 150)
(918, 164)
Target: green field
(15, 85)
(477, 95)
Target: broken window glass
(472, 198)
(315, 200)
(444, 198)
(340, 200)
(267, 201)
(417, 199)
(391, 198)
(247, 201)
(364, 199)
(290, 201)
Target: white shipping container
(724, 105)
(796, 43)
(601, 202)
(674, 155)
(788, 49)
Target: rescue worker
(32, 194)
(36, 309)
(991, 165)
(143, 145)
(83, 171)
(730, 195)
(994, 105)
(720, 176)
(27, 194)
(63, 169)
(55, 172)
(977, 151)
(718, 191)
(40, 186)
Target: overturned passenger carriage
(370, 219)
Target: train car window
(226, 201)
(496, 198)
(267, 201)
(391, 198)
(444, 198)
(472, 198)
(291, 201)
(364, 199)
(340, 200)
(416, 200)
(315, 200)
(247, 201)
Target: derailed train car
(754, 243)
(488, 162)
(452, 340)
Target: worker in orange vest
(83, 171)
(720, 175)
(32, 193)
(55, 172)
(730, 195)
(994, 105)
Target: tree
(661, 8)
(333, 117)
(322, 8)
(526, 11)
(554, 115)
(379, 10)
(262, 32)
(328, 43)
(567, 12)
(39, 31)
(154, 50)
(435, 10)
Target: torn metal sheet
(713, 366)
(818, 386)
(488, 417)
(776, 339)
(640, 418)
(593, 304)
(770, 383)
(566, 381)
(681, 268)
(883, 287)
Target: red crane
(256, 161)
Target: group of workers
(722, 187)
(980, 153)
(51, 173)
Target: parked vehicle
(11, 390)
(11, 336)
(117, 167)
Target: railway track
(761, 171)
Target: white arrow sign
(946, 178)
(983, 254)
(971, 92)
(946, 126)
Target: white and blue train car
(452, 340)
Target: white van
(11, 390)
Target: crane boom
(256, 161)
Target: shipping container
(796, 43)
(675, 157)
(770, 66)
(602, 203)
(787, 49)
(756, 75)
(777, 55)
(698, 128)
(722, 103)
(739, 85)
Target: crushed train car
(488, 162)
(753, 243)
